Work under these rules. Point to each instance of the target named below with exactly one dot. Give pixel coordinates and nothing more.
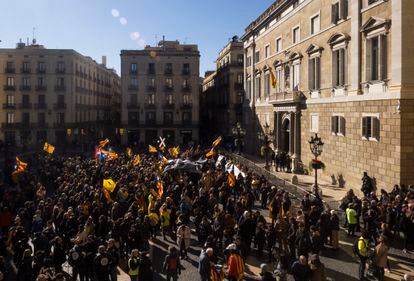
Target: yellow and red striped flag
(20, 166)
(152, 149)
(137, 160)
(48, 148)
(217, 141)
(211, 153)
(232, 179)
(104, 142)
(273, 77)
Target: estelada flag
(103, 142)
(20, 166)
(129, 151)
(217, 141)
(232, 180)
(273, 77)
(160, 187)
(152, 149)
(211, 153)
(137, 160)
(109, 185)
(48, 148)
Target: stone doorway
(284, 146)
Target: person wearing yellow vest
(235, 264)
(351, 217)
(133, 268)
(165, 219)
(154, 221)
(363, 249)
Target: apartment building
(224, 89)
(343, 71)
(54, 95)
(160, 93)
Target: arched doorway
(285, 135)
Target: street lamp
(316, 144)
(238, 134)
(264, 136)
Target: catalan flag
(109, 185)
(137, 160)
(273, 78)
(152, 149)
(232, 180)
(211, 153)
(109, 155)
(174, 151)
(217, 141)
(107, 196)
(160, 187)
(20, 166)
(129, 151)
(103, 143)
(48, 148)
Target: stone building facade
(224, 90)
(160, 93)
(343, 71)
(55, 95)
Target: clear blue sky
(94, 28)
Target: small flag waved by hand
(48, 148)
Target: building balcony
(60, 88)
(168, 72)
(168, 105)
(59, 106)
(151, 72)
(151, 88)
(10, 70)
(41, 70)
(133, 72)
(133, 105)
(25, 88)
(40, 106)
(60, 70)
(132, 88)
(25, 70)
(186, 72)
(9, 106)
(59, 125)
(186, 88)
(168, 123)
(151, 122)
(41, 88)
(11, 126)
(294, 96)
(169, 88)
(25, 105)
(186, 105)
(40, 125)
(9, 88)
(150, 106)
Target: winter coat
(184, 233)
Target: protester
(172, 266)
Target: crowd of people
(58, 223)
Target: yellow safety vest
(132, 272)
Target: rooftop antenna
(33, 33)
(156, 40)
(163, 42)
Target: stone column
(292, 134)
(276, 131)
(296, 155)
(354, 67)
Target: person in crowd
(145, 271)
(235, 264)
(317, 268)
(334, 230)
(172, 266)
(363, 253)
(183, 239)
(381, 257)
(301, 270)
(133, 265)
(351, 216)
(204, 266)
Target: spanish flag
(232, 179)
(273, 77)
(137, 160)
(103, 143)
(109, 185)
(20, 166)
(48, 148)
(152, 149)
(129, 151)
(211, 153)
(217, 141)
(160, 187)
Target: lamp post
(238, 134)
(316, 144)
(264, 136)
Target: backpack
(172, 263)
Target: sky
(104, 27)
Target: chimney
(104, 60)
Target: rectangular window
(10, 100)
(296, 77)
(10, 67)
(371, 128)
(60, 100)
(187, 117)
(41, 82)
(314, 123)
(61, 67)
(296, 35)
(41, 67)
(25, 99)
(186, 68)
(258, 87)
(26, 67)
(314, 73)
(150, 117)
(315, 24)
(133, 99)
(170, 99)
(132, 117)
(257, 56)
(41, 118)
(338, 125)
(377, 58)
(267, 51)
(168, 82)
(168, 68)
(134, 68)
(26, 81)
(279, 80)
(151, 99)
(10, 117)
(249, 61)
(278, 45)
(151, 68)
(25, 117)
(186, 99)
(240, 59)
(41, 99)
(133, 82)
(168, 118)
(60, 82)
(10, 81)
(60, 118)
(151, 82)
(338, 67)
(267, 84)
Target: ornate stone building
(55, 95)
(160, 93)
(344, 71)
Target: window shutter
(317, 73)
(365, 127)
(334, 13)
(342, 125)
(335, 66)
(333, 124)
(383, 59)
(368, 57)
(344, 9)
(375, 128)
(311, 74)
(341, 65)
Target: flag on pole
(109, 185)
(20, 166)
(48, 148)
(137, 160)
(160, 187)
(217, 141)
(152, 149)
(232, 179)
(103, 143)
(211, 153)
(273, 78)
